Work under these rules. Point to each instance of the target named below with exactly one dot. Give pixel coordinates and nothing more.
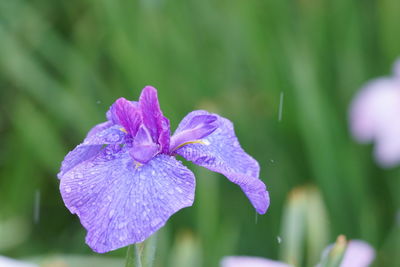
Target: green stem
(141, 254)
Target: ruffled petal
(120, 203)
(80, 154)
(100, 135)
(221, 152)
(153, 118)
(99, 128)
(111, 135)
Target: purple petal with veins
(98, 136)
(120, 204)
(143, 148)
(221, 152)
(194, 129)
(127, 114)
(99, 128)
(153, 118)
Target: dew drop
(155, 222)
(67, 189)
(279, 239)
(153, 172)
(122, 225)
(206, 142)
(178, 189)
(111, 213)
(36, 207)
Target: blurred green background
(63, 63)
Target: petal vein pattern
(221, 152)
(120, 204)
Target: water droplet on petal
(122, 225)
(178, 189)
(111, 213)
(155, 222)
(67, 189)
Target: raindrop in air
(36, 207)
(280, 106)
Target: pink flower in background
(375, 116)
(358, 254)
(244, 261)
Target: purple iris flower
(124, 182)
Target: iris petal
(119, 203)
(100, 135)
(153, 118)
(194, 129)
(221, 152)
(127, 114)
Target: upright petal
(119, 203)
(153, 118)
(125, 113)
(246, 261)
(221, 152)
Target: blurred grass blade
(304, 227)
(293, 228)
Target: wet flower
(374, 116)
(124, 182)
(358, 254)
